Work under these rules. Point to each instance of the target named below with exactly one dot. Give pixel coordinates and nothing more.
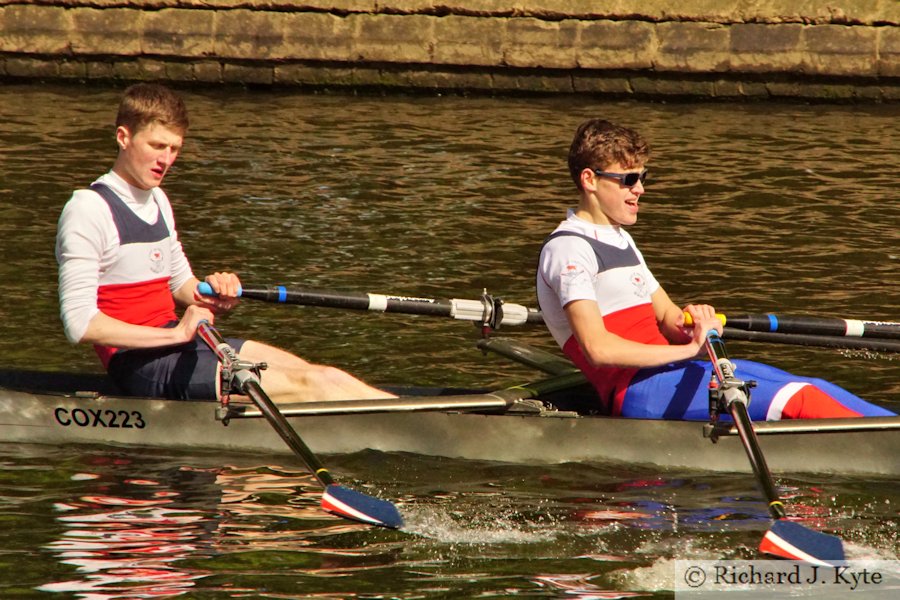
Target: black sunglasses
(626, 179)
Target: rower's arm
(109, 331)
(603, 348)
(669, 317)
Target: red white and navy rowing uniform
(601, 263)
(119, 253)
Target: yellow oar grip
(690, 321)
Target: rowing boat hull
(69, 418)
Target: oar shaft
(242, 376)
(736, 399)
(758, 463)
(460, 309)
(826, 326)
(796, 339)
(373, 302)
(249, 385)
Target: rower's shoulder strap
(131, 228)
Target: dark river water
(783, 208)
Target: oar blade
(786, 539)
(357, 506)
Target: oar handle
(689, 320)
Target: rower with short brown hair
(123, 272)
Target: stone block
(251, 35)
(692, 47)
(477, 80)
(305, 75)
(468, 40)
(208, 70)
(815, 12)
(730, 88)
(480, 8)
(569, 9)
(693, 11)
(405, 7)
(112, 31)
(176, 32)
(179, 71)
(128, 70)
(71, 69)
(366, 76)
(33, 68)
(536, 43)
(888, 64)
(317, 36)
(149, 69)
(513, 81)
(601, 83)
(30, 29)
(247, 74)
(392, 38)
(760, 48)
(341, 6)
(889, 13)
(615, 45)
(841, 50)
(100, 69)
(672, 87)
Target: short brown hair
(599, 144)
(146, 103)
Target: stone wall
(825, 49)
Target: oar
(487, 310)
(826, 326)
(785, 539)
(242, 377)
(824, 341)
(868, 342)
(493, 312)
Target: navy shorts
(184, 372)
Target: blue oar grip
(773, 322)
(206, 290)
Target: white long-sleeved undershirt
(87, 244)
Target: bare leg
(289, 378)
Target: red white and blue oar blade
(786, 539)
(357, 506)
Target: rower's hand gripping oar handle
(813, 326)
(689, 320)
(739, 330)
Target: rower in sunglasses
(612, 318)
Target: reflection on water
(127, 537)
(754, 208)
(161, 526)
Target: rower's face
(618, 203)
(146, 156)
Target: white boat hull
(57, 418)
